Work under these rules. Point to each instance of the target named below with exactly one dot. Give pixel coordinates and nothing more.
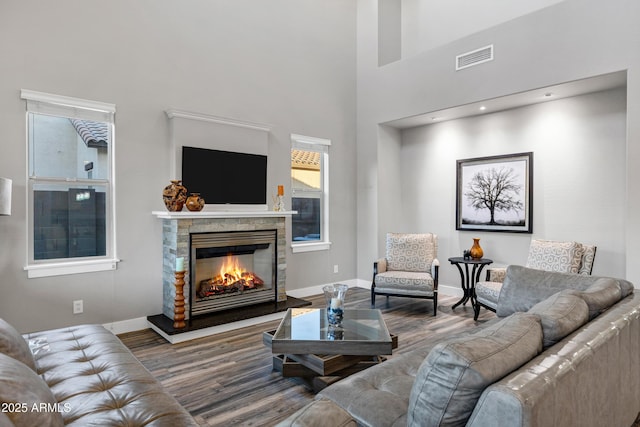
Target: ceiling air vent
(474, 57)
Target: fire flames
(232, 277)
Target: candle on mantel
(180, 264)
(280, 190)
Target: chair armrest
(380, 266)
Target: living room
(314, 68)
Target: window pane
(69, 221)
(68, 148)
(305, 225)
(305, 170)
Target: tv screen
(225, 177)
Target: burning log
(230, 283)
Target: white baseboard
(316, 290)
(127, 325)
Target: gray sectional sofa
(563, 351)
(79, 376)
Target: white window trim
(45, 103)
(305, 143)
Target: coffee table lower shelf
(321, 370)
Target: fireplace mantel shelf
(221, 214)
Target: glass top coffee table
(305, 345)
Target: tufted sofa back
(96, 380)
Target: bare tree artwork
(495, 193)
(495, 190)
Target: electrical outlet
(78, 307)
(335, 268)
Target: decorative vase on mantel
(174, 195)
(476, 251)
(195, 203)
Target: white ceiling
(550, 93)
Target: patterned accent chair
(547, 255)
(409, 269)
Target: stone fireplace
(252, 242)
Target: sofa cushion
(561, 257)
(601, 295)
(525, 287)
(626, 287)
(24, 391)
(560, 314)
(14, 345)
(409, 282)
(454, 374)
(319, 413)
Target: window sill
(70, 267)
(310, 247)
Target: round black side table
(468, 279)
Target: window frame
(64, 106)
(321, 145)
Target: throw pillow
(560, 314)
(455, 373)
(25, 395)
(14, 345)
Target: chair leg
(435, 304)
(373, 298)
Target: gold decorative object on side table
(476, 251)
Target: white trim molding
(297, 247)
(73, 267)
(309, 139)
(216, 119)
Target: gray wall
(286, 63)
(578, 147)
(551, 46)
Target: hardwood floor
(227, 379)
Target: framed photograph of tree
(495, 193)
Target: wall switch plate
(335, 268)
(78, 307)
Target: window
(70, 185)
(310, 187)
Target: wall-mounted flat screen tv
(225, 177)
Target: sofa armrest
(319, 413)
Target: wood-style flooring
(227, 379)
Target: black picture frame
(479, 204)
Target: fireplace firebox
(232, 269)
